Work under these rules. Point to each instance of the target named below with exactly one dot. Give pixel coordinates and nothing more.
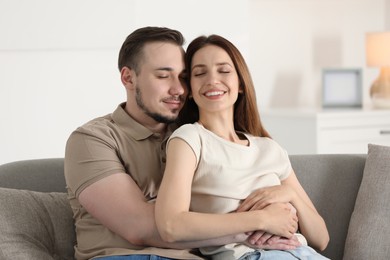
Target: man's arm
(118, 203)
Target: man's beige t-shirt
(109, 145)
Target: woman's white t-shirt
(228, 172)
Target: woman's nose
(211, 78)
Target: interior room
(321, 71)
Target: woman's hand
(264, 240)
(281, 219)
(263, 197)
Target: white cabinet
(327, 131)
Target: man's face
(159, 88)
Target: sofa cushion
(332, 182)
(35, 225)
(369, 230)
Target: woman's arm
(311, 224)
(118, 203)
(176, 223)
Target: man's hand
(260, 199)
(263, 240)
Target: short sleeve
(89, 157)
(189, 133)
(281, 156)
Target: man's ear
(128, 77)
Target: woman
(215, 162)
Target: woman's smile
(214, 93)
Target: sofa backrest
(45, 175)
(332, 182)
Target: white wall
(58, 58)
(387, 14)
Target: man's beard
(154, 115)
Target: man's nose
(178, 87)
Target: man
(114, 164)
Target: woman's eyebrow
(198, 66)
(218, 64)
(224, 63)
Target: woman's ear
(128, 77)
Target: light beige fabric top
(228, 172)
(109, 145)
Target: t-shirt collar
(131, 127)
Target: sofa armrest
(36, 220)
(35, 225)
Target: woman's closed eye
(225, 68)
(197, 73)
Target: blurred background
(58, 59)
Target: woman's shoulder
(187, 131)
(186, 128)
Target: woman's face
(214, 79)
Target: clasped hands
(276, 201)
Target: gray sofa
(36, 220)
